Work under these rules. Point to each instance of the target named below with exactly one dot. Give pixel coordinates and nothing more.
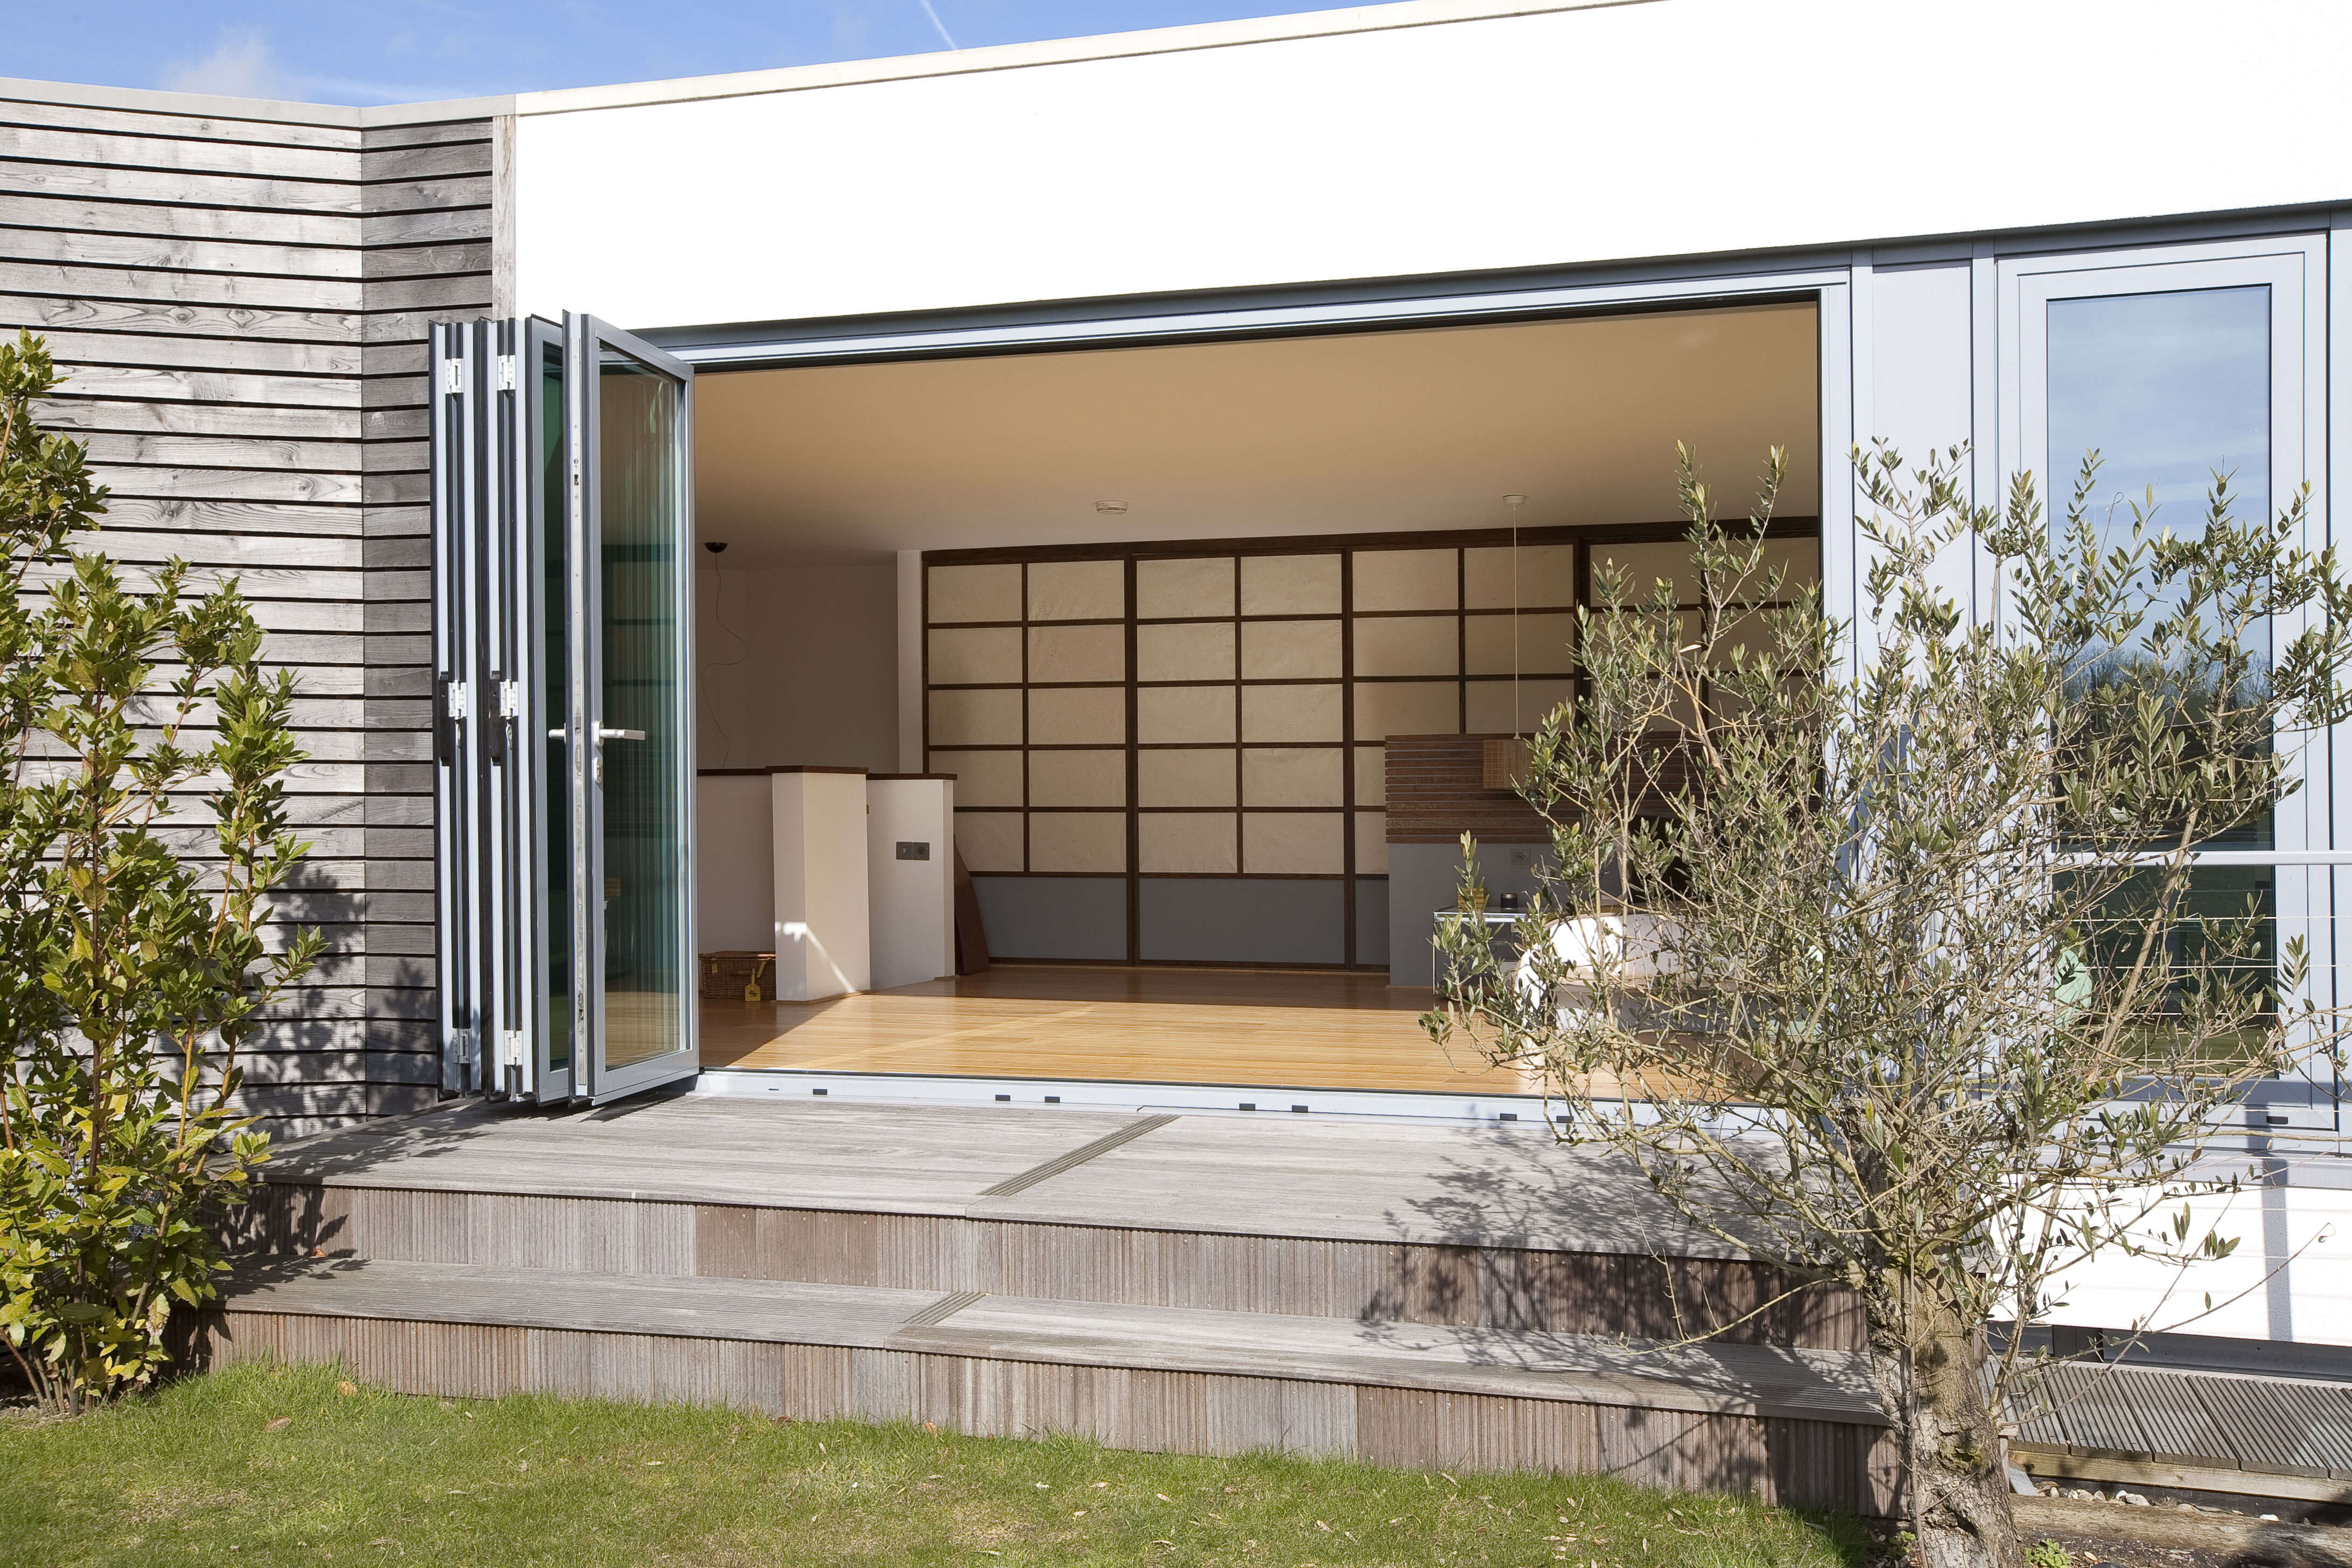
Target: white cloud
(240, 66)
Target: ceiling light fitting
(1113, 506)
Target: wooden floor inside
(1287, 1029)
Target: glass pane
(2170, 389)
(555, 695)
(643, 537)
(2240, 945)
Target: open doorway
(1211, 637)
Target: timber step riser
(1498, 1287)
(1818, 1463)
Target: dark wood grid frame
(1353, 807)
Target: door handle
(602, 735)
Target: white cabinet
(910, 877)
(821, 922)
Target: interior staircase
(1420, 1297)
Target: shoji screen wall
(1173, 753)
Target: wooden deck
(1443, 1296)
(1303, 1030)
(1379, 1182)
(1438, 1295)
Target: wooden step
(1791, 1426)
(1468, 1226)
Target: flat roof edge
(260, 110)
(1050, 52)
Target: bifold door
(562, 703)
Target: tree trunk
(1960, 1507)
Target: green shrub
(143, 820)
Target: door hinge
(461, 700)
(461, 1062)
(510, 699)
(506, 373)
(453, 377)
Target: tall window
(2176, 364)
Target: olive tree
(1880, 950)
(142, 823)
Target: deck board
(1450, 1185)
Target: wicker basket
(738, 976)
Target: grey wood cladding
(239, 307)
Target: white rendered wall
(821, 939)
(1681, 127)
(2290, 1277)
(912, 902)
(735, 883)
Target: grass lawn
(257, 1466)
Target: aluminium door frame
(483, 892)
(461, 432)
(585, 337)
(534, 724)
(1838, 278)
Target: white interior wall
(1368, 148)
(798, 665)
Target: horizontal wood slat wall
(1436, 793)
(240, 309)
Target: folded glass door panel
(630, 412)
(560, 703)
(464, 501)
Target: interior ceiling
(1362, 432)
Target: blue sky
(401, 51)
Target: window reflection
(2170, 389)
